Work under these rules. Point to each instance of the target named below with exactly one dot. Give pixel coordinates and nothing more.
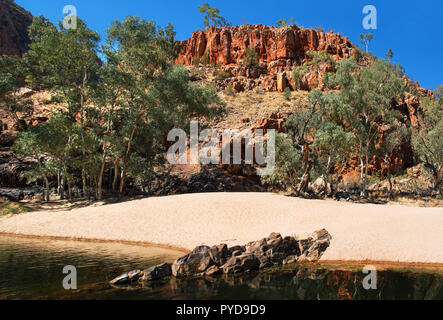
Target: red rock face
(278, 49)
(14, 23)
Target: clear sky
(412, 29)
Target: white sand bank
(359, 231)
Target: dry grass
(248, 107)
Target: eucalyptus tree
(212, 17)
(365, 101)
(428, 142)
(155, 95)
(65, 61)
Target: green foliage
(229, 91)
(428, 142)
(62, 60)
(314, 144)
(287, 164)
(389, 55)
(287, 94)
(222, 75)
(298, 73)
(205, 58)
(196, 62)
(251, 59)
(212, 17)
(117, 113)
(284, 22)
(364, 101)
(313, 64)
(11, 80)
(365, 39)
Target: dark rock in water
(156, 272)
(264, 253)
(198, 261)
(125, 278)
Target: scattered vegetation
(9, 207)
(251, 59)
(229, 91)
(222, 75)
(284, 22)
(287, 94)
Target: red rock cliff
(14, 23)
(278, 49)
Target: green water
(32, 269)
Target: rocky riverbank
(221, 259)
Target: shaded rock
(219, 254)
(198, 261)
(14, 24)
(156, 272)
(237, 250)
(264, 253)
(242, 263)
(213, 270)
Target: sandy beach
(360, 231)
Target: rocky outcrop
(278, 50)
(14, 23)
(209, 261)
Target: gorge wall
(14, 24)
(278, 50)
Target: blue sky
(412, 29)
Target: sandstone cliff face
(278, 50)
(14, 23)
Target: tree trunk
(46, 190)
(100, 180)
(115, 180)
(125, 161)
(388, 168)
(306, 169)
(362, 168)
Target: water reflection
(32, 269)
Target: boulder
(320, 188)
(198, 261)
(156, 272)
(219, 254)
(213, 270)
(313, 248)
(243, 263)
(256, 255)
